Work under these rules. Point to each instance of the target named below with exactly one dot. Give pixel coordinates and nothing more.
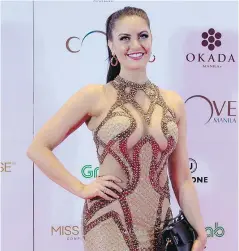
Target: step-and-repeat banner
(52, 49)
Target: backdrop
(52, 49)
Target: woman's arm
(69, 117)
(180, 175)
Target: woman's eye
(145, 35)
(124, 38)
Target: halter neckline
(126, 82)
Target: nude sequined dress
(137, 140)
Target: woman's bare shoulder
(70, 116)
(173, 100)
(93, 94)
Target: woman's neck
(137, 76)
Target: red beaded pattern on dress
(91, 207)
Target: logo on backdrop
(210, 40)
(88, 172)
(6, 166)
(215, 231)
(193, 165)
(76, 48)
(218, 111)
(193, 168)
(70, 232)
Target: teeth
(135, 55)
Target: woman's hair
(113, 71)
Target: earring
(151, 61)
(116, 61)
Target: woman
(140, 132)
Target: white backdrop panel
(16, 125)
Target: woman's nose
(135, 44)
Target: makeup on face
(123, 36)
(139, 53)
(132, 41)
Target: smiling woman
(129, 42)
(139, 131)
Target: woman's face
(132, 42)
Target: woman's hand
(199, 244)
(101, 187)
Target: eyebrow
(125, 34)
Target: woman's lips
(135, 56)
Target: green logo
(217, 232)
(88, 172)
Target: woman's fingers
(110, 192)
(104, 196)
(112, 185)
(106, 182)
(110, 177)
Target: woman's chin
(136, 66)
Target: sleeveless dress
(137, 140)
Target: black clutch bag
(178, 234)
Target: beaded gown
(134, 141)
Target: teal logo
(88, 172)
(218, 231)
(69, 40)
